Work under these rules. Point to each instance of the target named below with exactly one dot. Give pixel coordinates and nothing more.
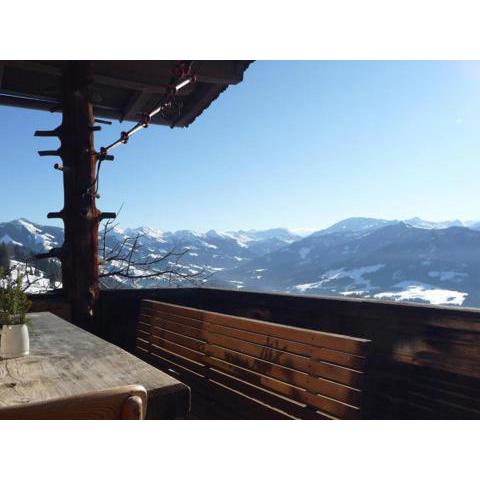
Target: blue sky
(297, 144)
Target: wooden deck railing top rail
(266, 370)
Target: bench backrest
(279, 371)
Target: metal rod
(183, 79)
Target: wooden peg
(55, 214)
(50, 153)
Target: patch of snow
(354, 292)
(308, 286)
(241, 239)
(237, 283)
(356, 275)
(28, 226)
(303, 232)
(33, 278)
(411, 290)
(428, 225)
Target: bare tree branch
(129, 259)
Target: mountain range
(410, 260)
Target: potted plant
(14, 305)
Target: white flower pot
(14, 341)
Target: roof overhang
(121, 89)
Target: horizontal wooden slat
(315, 353)
(178, 359)
(177, 349)
(332, 407)
(149, 311)
(170, 361)
(143, 325)
(188, 342)
(140, 347)
(339, 388)
(238, 405)
(178, 328)
(291, 407)
(321, 339)
(143, 335)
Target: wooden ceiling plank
(134, 103)
(122, 83)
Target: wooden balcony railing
(424, 361)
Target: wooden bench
(242, 368)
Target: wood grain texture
(297, 372)
(65, 361)
(342, 343)
(120, 403)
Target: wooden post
(81, 218)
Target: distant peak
(357, 224)
(150, 231)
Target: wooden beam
(80, 215)
(31, 103)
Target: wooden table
(65, 360)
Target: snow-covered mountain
(356, 225)
(411, 260)
(382, 260)
(38, 238)
(211, 252)
(419, 223)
